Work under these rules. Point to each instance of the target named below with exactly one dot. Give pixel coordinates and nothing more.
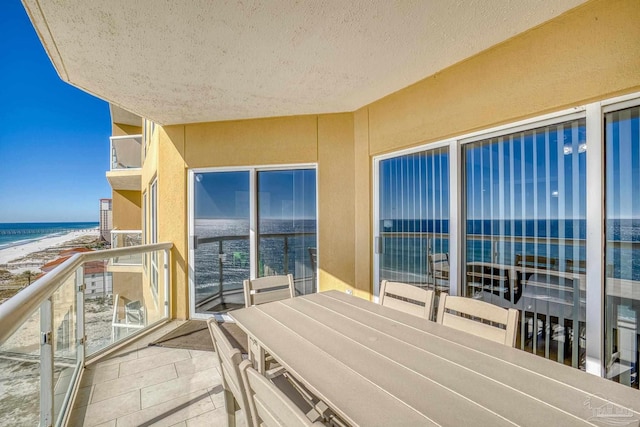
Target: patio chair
(439, 271)
(407, 298)
(229, 358)
(268, 289)
(479, 318)
(269, 406)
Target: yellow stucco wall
(326, 139)
(591, 52)
(336, 192)
(119, 129)
(587, 54)
(126, 207)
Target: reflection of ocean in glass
(406, 243)
(231, 237)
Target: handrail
(16, 310)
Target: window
(250, 223)
(622, 286)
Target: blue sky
(54, 138)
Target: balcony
(126, 162)
(56, 331)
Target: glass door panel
(413, 230)
(622, 285)
(287, 226)
(221, 240)
(526, 233)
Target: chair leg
(230, 406)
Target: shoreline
(21, 250)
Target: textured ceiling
(201, 60)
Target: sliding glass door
(287, 226)
(220, 240)
(525, 233)
(250, 223)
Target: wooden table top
(376, 366)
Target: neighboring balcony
(126, 162)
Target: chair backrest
(229, 359)
(536, 261)
(479, 318)
(269, 406)
(268, 289)
(407, 298)
(577, 266)
(435, 260)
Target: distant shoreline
(24, 249)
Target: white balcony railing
(79, 310)
(126, 152)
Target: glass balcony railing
(222, 263)
(126, 239)
(126, 152)
(79, 310)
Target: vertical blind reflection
(525, 233)
(622, 287)
(414, 219)
(287, 226)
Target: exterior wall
(119, 129)
(326, 140)
(336, 262)
(590, 53)
(127, 210)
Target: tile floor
(152, 386)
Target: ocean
(17, 233)
(222, 255)
(405, 243)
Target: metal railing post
(167, 276)
(221, 271)
(80, 318)
(286, 255)
(46, 363)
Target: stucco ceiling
(202, 60)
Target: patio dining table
(375, 366)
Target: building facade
(517, 165)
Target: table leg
(257, 355)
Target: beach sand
(24, 251)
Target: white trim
(190, 244)
(595, 246)
(253, 224)
(524, 125)
(620, 102)
(282, 167)
(413, 150)
(138, 135)
(456, 217)
(376, 228)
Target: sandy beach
(22, 251)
